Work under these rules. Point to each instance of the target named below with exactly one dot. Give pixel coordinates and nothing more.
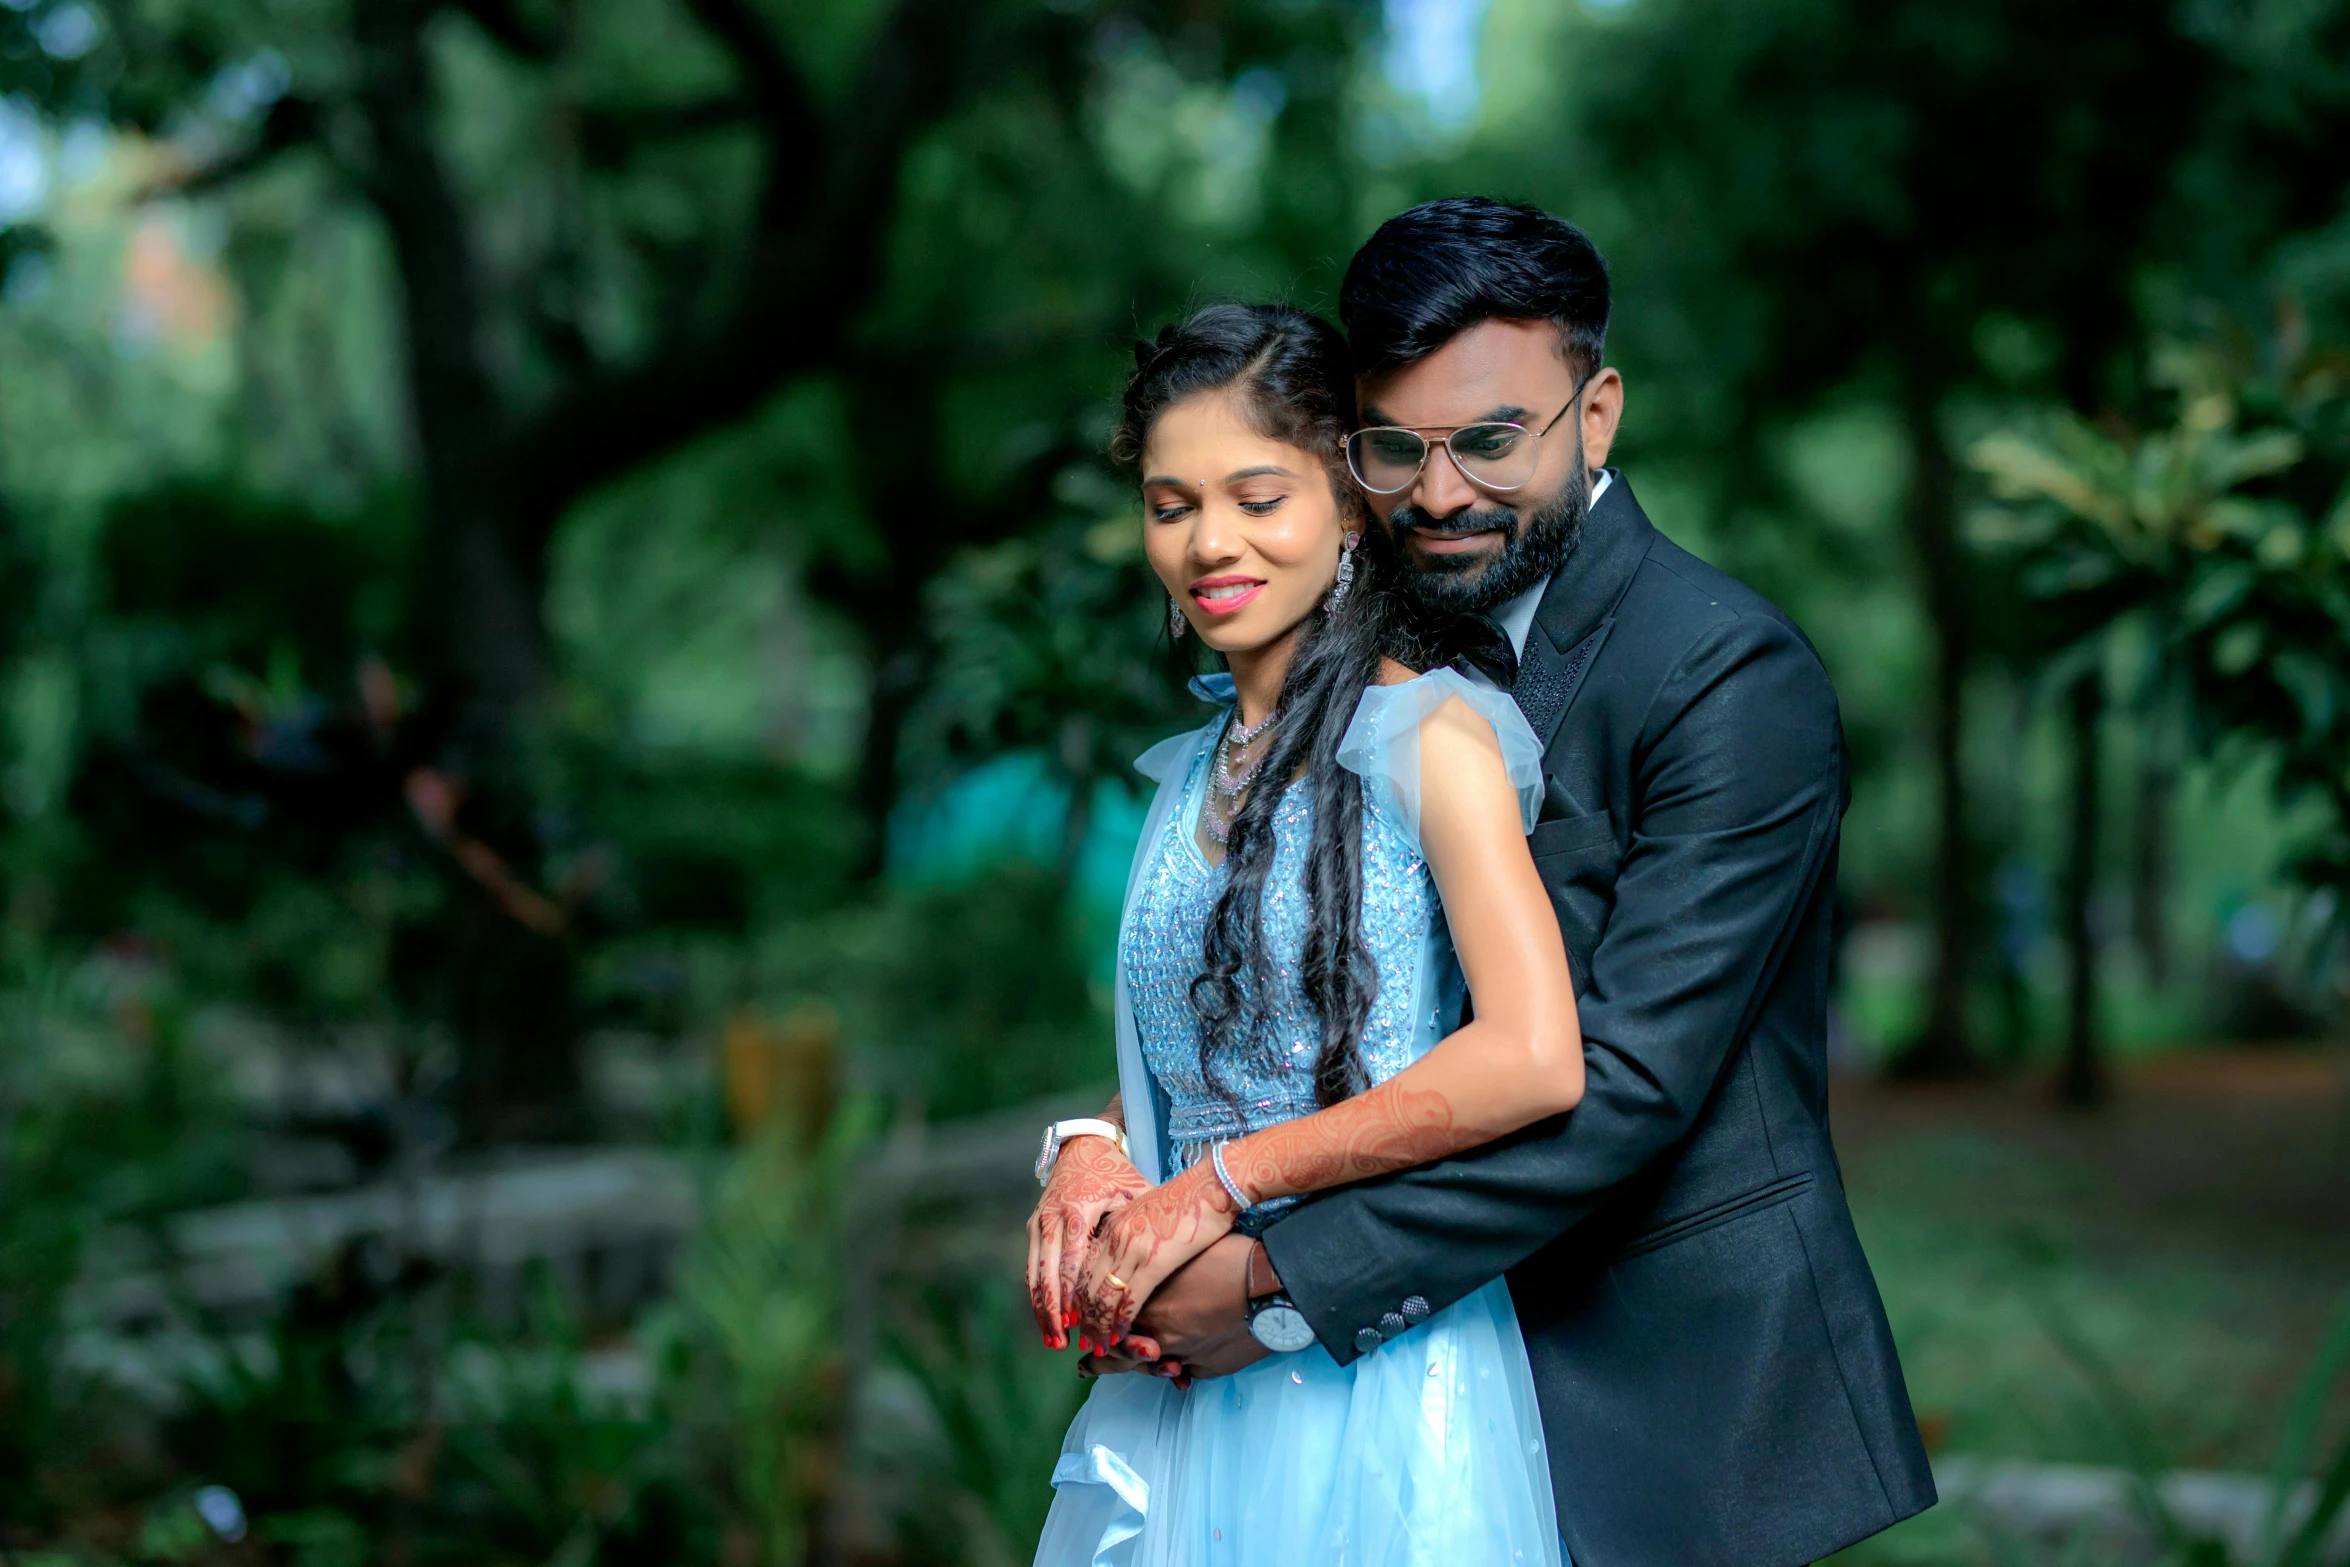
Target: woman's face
(1243, 529)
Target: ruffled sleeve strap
(1160, 760)
(1383, 743)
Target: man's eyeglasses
(1494, 455)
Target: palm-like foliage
(2212, 553)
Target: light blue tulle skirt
(1426, 1452)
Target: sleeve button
(1415, 1308)
(1392, 1324)
(1369, 1339)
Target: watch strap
(1059, 1133)
(1090, 1126)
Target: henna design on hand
(1391, 1127)
(1090, 1180)
(1143, 1242)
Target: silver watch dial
(1281, 1328)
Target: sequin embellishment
(1162, 952)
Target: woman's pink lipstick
(1225, 605)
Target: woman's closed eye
(1168, 511)
(1263, 508)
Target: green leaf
(2301, 1422)
(2021, 469)
(2238, 648)
(2252, 457)
(2311, 680)
(2215, 593)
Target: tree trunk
(487, 640)
(508, 990)
(2150, 853)
(2083, 1082)
(922, 523)
(1944, 1046)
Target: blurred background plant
(569, 650)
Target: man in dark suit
(1717, 1381)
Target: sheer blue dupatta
(1168, 764)
(1126, 1439)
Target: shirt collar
(1516, 617)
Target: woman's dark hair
(1432, 272)
(1292, 375)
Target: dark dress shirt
(1717, 1381)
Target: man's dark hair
(1433, 272)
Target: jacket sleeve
(1738, 786)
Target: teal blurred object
(1014, 808)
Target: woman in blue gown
(1289, 1009)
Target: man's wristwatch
(1273, 1319)
(1061, 1131)
(1275, 1322)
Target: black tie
(1479, 642)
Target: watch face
(1281, 1328)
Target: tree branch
(815, 265)
(291, 123)
(504, 22)
(609, 133)
(778, 92)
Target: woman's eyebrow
(1274, 470)
(1160, 478)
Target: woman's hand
(1143, 1243)
(1089, 1179)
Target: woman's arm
(1088, 1179)
(1519, 1061)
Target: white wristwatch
(1061, 1131)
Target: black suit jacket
(1717, 1380)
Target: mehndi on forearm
(1391, 1127)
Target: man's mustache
(1412, 519)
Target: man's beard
(1448, 585)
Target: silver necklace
(1241, 734)
(1227, 783)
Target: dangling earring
(1346, 573)
(1176, 624)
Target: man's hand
(1199, 1317)
(1133, 1354)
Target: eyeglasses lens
(1385, 461)
(1499, 456)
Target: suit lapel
(1549, 679)
(1578, 609)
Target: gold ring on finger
(1117, 1282)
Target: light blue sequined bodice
(1420, 990)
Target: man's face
(1471, 548)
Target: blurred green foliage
(2207, 560)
